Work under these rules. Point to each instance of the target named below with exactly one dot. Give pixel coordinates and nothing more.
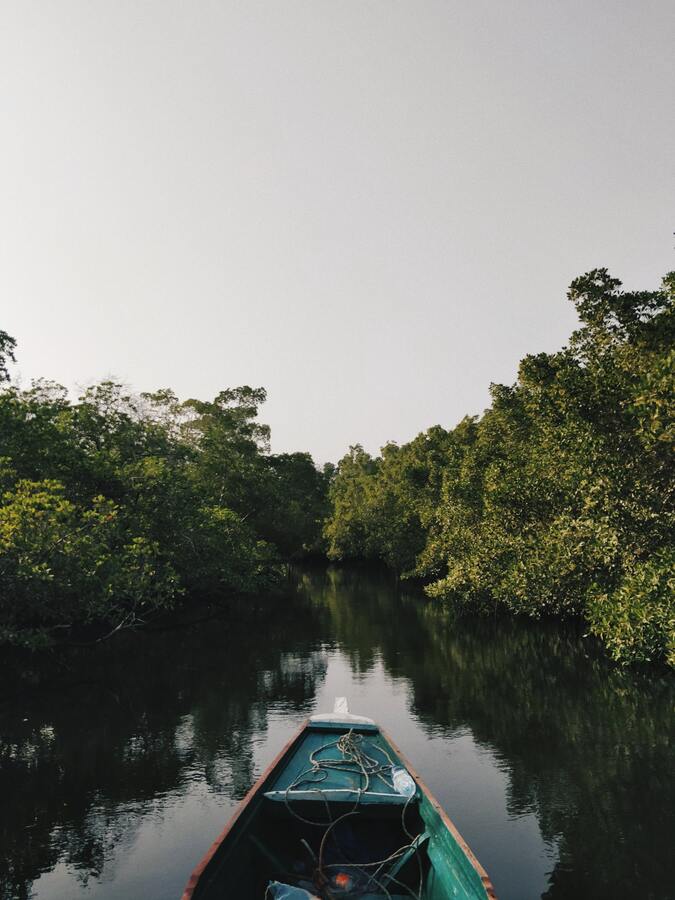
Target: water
(119, 766)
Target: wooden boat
(339, 813)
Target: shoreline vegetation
(557, 501)
(118, 508)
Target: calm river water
(118, 766)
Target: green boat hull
(336, 826)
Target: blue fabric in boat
(344, 783)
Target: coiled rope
(356, 760)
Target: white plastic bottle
(403, 781)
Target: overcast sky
(372, 208)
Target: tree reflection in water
(88, 738)
(587, 746)
(92, 738)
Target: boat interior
(330, 822)
(362, 853)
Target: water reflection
(88, 740)
(118, 766)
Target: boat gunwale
(445, 818)
(257, 787)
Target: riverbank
(558, 499)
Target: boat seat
(343, 795)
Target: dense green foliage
(115, 506)
(558, 500)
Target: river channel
(119, 765)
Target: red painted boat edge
(447, 821)
(213, 849)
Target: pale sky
(373, 208)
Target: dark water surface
(119, 766)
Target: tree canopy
(558, 499)
(117, 506)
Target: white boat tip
(342, 715)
